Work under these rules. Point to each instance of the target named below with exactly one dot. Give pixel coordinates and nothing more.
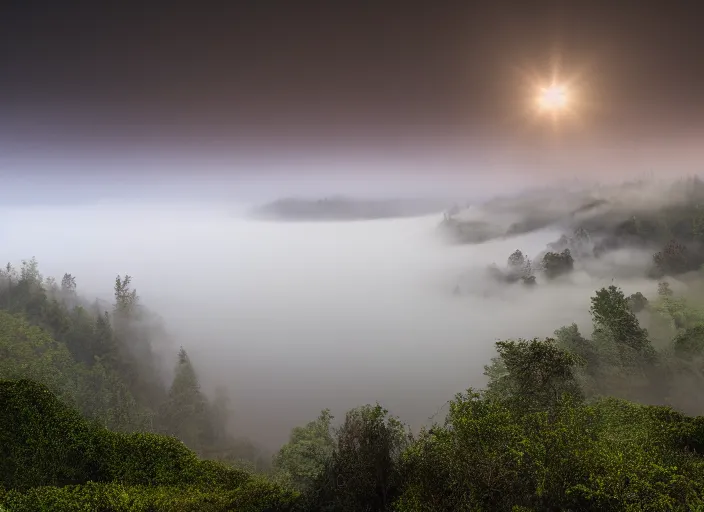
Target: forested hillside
(101, 358)
(604, 419)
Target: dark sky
(358, 72)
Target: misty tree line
(520, 268)
(101, 359)
(673, 230)
(678, 256)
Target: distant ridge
(346, 209)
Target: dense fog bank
(294, 317)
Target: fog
(295, 317)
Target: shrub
(254, 496)
(53, 459)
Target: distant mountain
(347, 209)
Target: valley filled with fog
(294, 317)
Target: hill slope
(51, 457)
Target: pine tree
(105, 347)
(68, 285)
(185, 412)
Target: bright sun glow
(553, 97)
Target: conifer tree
(184, 414)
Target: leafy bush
(254, 496)
(43, 441)
(53, 459)
(611, 455)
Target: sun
(553, 98)
(559, 96)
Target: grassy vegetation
(51, 458)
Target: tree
(613, 317)
(29, 271)
(664, 289)
(221, 412)
(133, 330)
(534, 376)
(125, 297)
(527, 273)
(80, 337)
(557, 264)
(637, 302)
(516, 261)
(303, 458)
(105, 398)
(688, 347)
(581, 243)
(569, 338)
(363, 472)
(68, 284)
(184, 415)
(29, 352)
(520, 267)
(105, 348)
(673, 259)
(529, 280)
(690, 343)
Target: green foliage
(53, 459)
(363, 471)
(535, 375)
(677, 310)
(570, 339)
(126, 299)
(488, 457)
(690, 343)
(42, 441)
(303, 458)
(101, 359)
(183, 415)
(45, 442)
(611, 455)
(613, 317)
(253, 496)
(29, 352)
